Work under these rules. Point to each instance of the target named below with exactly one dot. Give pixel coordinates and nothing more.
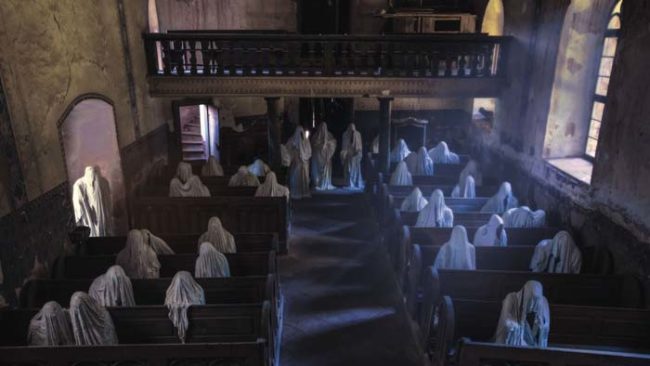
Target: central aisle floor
(342, 304)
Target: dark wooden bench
(516, 236)
(515, 258)
(467, 219)
(449, 170)
(164, 215)
(403, 191)
(216, 190)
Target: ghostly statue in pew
(424, 164)
(139, 258)
(50, 327)
(113, 288)
(91, 200)
(440, 154)
(212, 168)
(557, 255)
(457, 253)
(525, 317)
(271, 188)
(243, 178)
(91, 323)
(466, 187)
(412, 162)
(471, 169)
(181, 294)
(436, 213)
(211, 263)
(259, 168)
(399, 152)
(351, 154)
(502, 201)
(186, 184)
(524, 217)
(219, 237)
(492, 234)
(401, 175)
(414, 202)
(299, 151)
(323, 145)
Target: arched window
(604, 72)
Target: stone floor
(342, 303)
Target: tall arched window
(604, 72)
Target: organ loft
(324, 182)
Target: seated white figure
(91, 323)
(138, 258)
(440, 154)
(424, 165)
(271, 188)
(525, 318)
(50, 327)
(243, 178)
(159, 246)
(414, 202)
(182, 293)
(211, 263)
(457, 253)
(557, 255)
(219, 237)
(399, 152)
(113, 288)
(259, 168)
(212, 168)
(492, 234)
(186, 184)
(412, 162)
(472, 168)
(502, 201)
(401, 176)
(524, 217)
(466, 187)
(436, 213)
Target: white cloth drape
(424, 165)
(472, 168)
(181, 294)
(221, 238)
(399, 152)
(212, 168)
(91, 202)
(323, 146)
(441, 155)
(525, 318)
(211, 263)
(299, 150)
(466, 188)
(243, 178)
(139, 258)
(491, 234)
(351, 154)
(436, 213)
(375, 145)
(414, 202)
(186, 184)
(271, 188)
(50, 327)
(457, 253)
(91, 323)
(524, 217)
(412, 162)
(557, 255)
(401, 176)
(113, 288)
(502, 201)
(259, 168)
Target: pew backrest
(516, 236)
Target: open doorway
(197, 130)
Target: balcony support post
(385, 104)
(273, 106)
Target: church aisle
(342, 304)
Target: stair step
(193, 142)
(193, 148)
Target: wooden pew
(427, 190)
(467, 219)
(449, 170)
(515, 258)
(165, 216)
(516, 236)
(162, 190)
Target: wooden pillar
(384, 133)
(274, 130)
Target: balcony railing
(289, 55)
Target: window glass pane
(597, 111)
(614, 23)
(591, 147)
(609, 48)
(602, 85)
(606, 66)
(617, 8)
(594, 129)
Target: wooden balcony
(211, 64)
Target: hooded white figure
(159, 246)
(271, 188)
(412, 162)
(299, 150)
(219, 237)
(502, 201)
(457, 253)
(399, 152)
(212, 168)
(323, 145)
(259, 168)
(525, 317)
(401, 176)
(50, 327)
(492, 234)
(436, 213)
(181, 294)
(113, 288)
(524, 217)
(351, 154)
(557, 255)
(414, 202)
(92, 203)
(138, 258)
(466, 187)
(243, 178)
(211, 263)
(91, 323)
(472, 168)
(375, 145)
(424, 164)
(186, 184)
(441, 154)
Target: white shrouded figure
(401, 176)
(472, 168)
(414, 202)
(524, 217)
(91, 323)
(50, 327)
(457, 253)
(159, 246)
(211, 263)
(186, 184)
(271, 187)
(299, 150)
(323, 146)
(502, 201)
(492, 234)
(113, 288)
(375, 145)
(219, 237)
(436, 213)
(440, 154)
(243, 178)
(412, 162)
(139, 258)
(424, 165)
(182, 293)
(91, 201)
(525, 317)
(399, 152)
(557, 255)
(212, 168)
(466, 187)
(351, 154)
(259, 168)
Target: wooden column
(274, 130)
(384, 133)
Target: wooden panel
(516, 236)
(490, 258)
